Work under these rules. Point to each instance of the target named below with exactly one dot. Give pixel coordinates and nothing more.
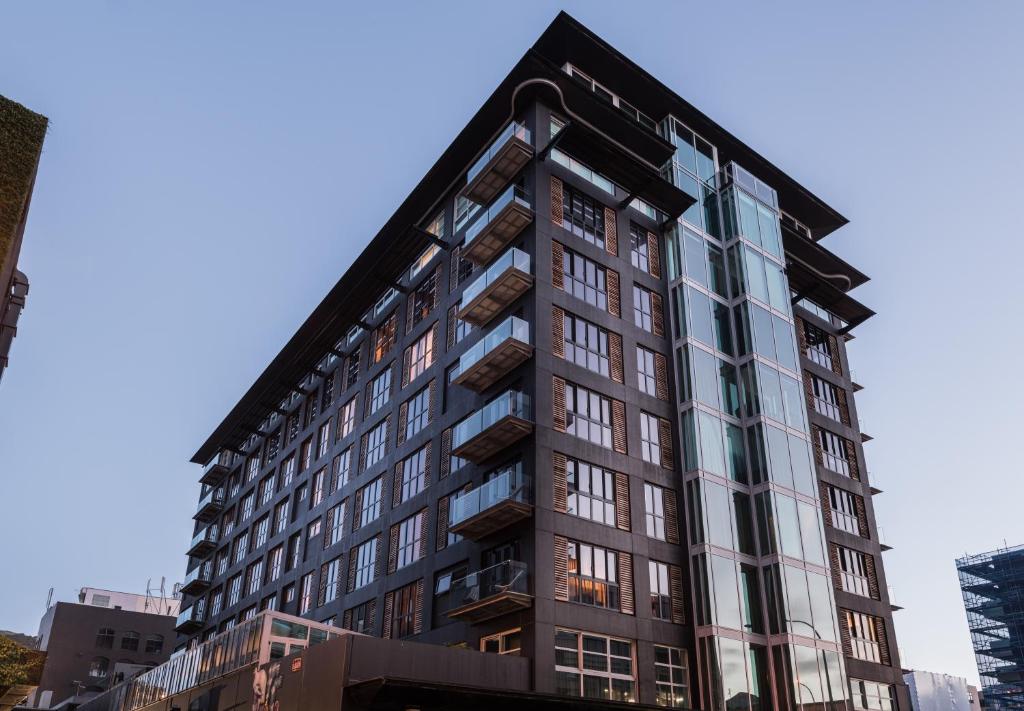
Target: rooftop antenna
(49, 598)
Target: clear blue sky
(212, 169)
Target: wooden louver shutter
(862, 516)
(329, 526)
(379, 557)
(661, 376)
(403, 419)
(346, 620)
(558, 476)
(883, 640)
(396, 490)
(826, 503)
(435, 293)
(451, 326)
(432, 405)
(627, 594)
(612, 283)
(321, 596)
(845, 621)
(671, 516)
(417, 615)
(410, 307)
(675, 578)
(453, 269)
(557, 266)
(653, 256)
(615, 357)
(836, 565)
(611, 233)
(561, 568)
(851, 458)
(424, 522)
(389, 614)
(427, 467)
(844, 405)
(657, 314)
(387, 432)
(873, 589)
(406, 365)
(622, 511)
(665, 440)
(446, 454)
(557, 332)
(352, 559)
(442, 523)
(833, 351)
(556, 201)
(619, 426)
(363, 442)
(558, 403)
(393, 549)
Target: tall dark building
(21, 143)
(584, 399)
(993, 588)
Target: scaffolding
(993, 589)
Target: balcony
(500, 423)
(489, 593)
(503, 160)
(494, 290)
(216, 470)
(191, 618)
(499, 503)
(199, 579)
(497, 226)
(204, 542)
(210, 506)
(494, 357)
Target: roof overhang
(813, 254)
(809, 284)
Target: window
(509, 642)
(591, 491)
(410, 540)
(583, 216)
(643, 309)
(269, 603)
(818, 345)
(347, 418)
(638, 248)
(423, 300)
(369, 501)
(414, 473)
(280, 517)
(863, 632)
(586, 344)
(253, 577)
(581, 170)
(379, 391)
(234, 589)
(383, 338)
(312, 409)
(403, 621)
(105, 637)
(253, 468)
(351, 373)
(154, 643)
(585, 279)
(436, 228)
(313, 530)
(323, 439)
(336, 515)
(275, 560)
(319, 481)
(216, 605)
(273, 447)
(461, 328)
(654, 511)
(853, 567)
(826, 398)
(645, 374)
(294, 549)
(266, 490)
(327, 396)
(291, 429)
(306, 594)
(223, 556)
(288, 471)
(99, 667)
(594, 666)
(872, 696)
(650, 440)
(418, 413)
(835, 453)
(671, 677)
(843, 506)
(305, 454)
(376, 444)
(661, 594)
(593, 575)
(241, 547)
(421, 356)
(261, 530)
(588, 415)
(361, 617)
(332, 579)
(248, 505)
(366, 563)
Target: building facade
(21, 144)
(98, 642)
(993, 589)
(595, 410)
(940, 692)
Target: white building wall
(938, 692)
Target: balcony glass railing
(512, 327)
(214, 497)
(200, 574)
(507, 577)
(513, 130)
(192, 614)
(509, 404)
(510, 485)
(514, 193)
(514, 259)
(207, 535)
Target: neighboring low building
(99, 641)
(21, 143)
(930, 691)
(20, 670)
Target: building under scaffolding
(993, 589)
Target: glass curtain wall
(764, 610)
